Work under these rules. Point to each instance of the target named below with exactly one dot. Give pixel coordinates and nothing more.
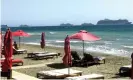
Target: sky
(55, 12)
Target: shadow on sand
(126, 74)
(57, 65)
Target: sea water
(115, 39)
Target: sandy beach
(110, 69)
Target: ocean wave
(54, 45)
(62, 41)
(118, 39)
(128, 46)
(108, 50)
(59, 41)
(32, 43)
(34, 33)
(52, 32)
(107, 42)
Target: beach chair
(19, 51)
(14, 61)
(86, 77)
(125, 69)
(76, 59)
(58, 73)
(45, 56)
(31, 55)
(89, 59)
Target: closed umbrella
(0, 43)
(132, 66)
(8, 50)
(67, 60)
(42, 40)
(20, 33)
(84, 36)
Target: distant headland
(103, 22)
(114, 22)
(100, 22)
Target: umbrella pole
(83, 46)
(19, 41)
(68, 67)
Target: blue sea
(115, 39)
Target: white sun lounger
(126, 68)
(58, 73)
(46, 55)
(86, 77)
(21, 51)
(31, 55)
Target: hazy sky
(54, 12)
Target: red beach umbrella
(6, 66)
(42, 40)
(84, 36)
(20, 33)
(67, 60)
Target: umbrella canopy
(42, 40)
(67, 57)
(84, 36)
(8, 50)
(20, 33)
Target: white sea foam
(62, 41)
(52, 32)
(108, 50)
(107, 42)
(128, 46)
(34, 33)
(59, 41)
(74, 41)
(117, 39)
(33, 43)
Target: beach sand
(110, 69)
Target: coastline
(109, 69)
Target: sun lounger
(19, 51)
(86, 60)
(14, 61)
(124, 69)
(31, 55)
(46, 55)
(86, 77)
(89, 59)
(58, 73)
